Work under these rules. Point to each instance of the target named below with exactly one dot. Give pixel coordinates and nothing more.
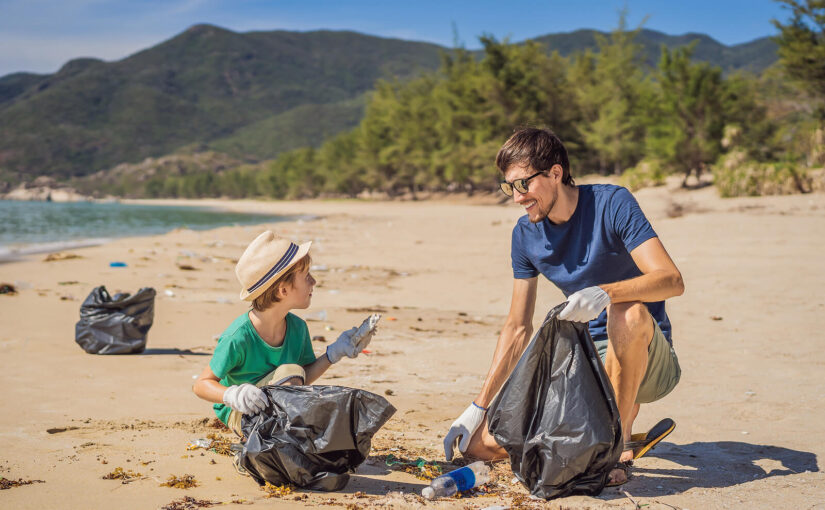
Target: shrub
(735, 175)
(648, 172)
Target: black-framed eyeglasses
(520, 184)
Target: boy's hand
(245, 398)
(354, 340)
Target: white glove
(585, 305)
(245, 398)
(354, 340)
(464, 428)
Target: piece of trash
(366, 351)
(320, 315)
(52, 257)
(187, 267)
(715, 318)
(319, 267)
(7, 288)
(328, 328)
(319, 338)
(199, 443)
(121, 474)
(8, 484)
(169, 293)
(116, 324)
(180, 482)
(391, 319)
(70, 282)
(745, 432)
(750, 393)
(67, 298)
(389, 392)
(189, 503)
(117, 264)
(459, 480)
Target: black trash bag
(556, 415)
(312, 436)
(115, 325)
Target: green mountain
(251, 95)
(754, 56)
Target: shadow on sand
(713, 465)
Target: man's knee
(629, 323)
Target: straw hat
(264, 261)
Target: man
(595, 244)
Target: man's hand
(245, 398)
(585, 305)
(464, 428)
(352, 341)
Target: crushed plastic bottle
(459, 480)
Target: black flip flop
(644, 442)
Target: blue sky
(40, 36)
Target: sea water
(34, 227)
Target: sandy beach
(747, 331)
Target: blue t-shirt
(592, 248)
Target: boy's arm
(208, 387)
(316, 369)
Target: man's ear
(557, 172)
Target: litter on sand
(53, 257)
(7, 288)
(5, 483)
(276, 491)
(117, 264)
(180, 482)
(125, 476)
(189, 503)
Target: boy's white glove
(585, 305)
(354, 340)
(464, 428)
(245, 398)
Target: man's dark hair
(540, 148)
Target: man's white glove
(354, 340)
(245, 398)
(585, 305)
(463, 428)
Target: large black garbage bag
(311, 436)
(115, 325)
(556, 415)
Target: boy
(267, 344)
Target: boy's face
(302, 287)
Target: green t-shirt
(242, 356)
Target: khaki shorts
(663, 371)
(278, 376)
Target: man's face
(541, 195)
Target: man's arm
(514, 337)
(660, 277)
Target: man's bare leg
(629, 332)
(483, 446)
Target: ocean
(35, 227)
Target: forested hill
(251, 95)
(754, 56)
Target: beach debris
(189, 503)
(125, 476)
(54, 257)
(57, 430)
(367, 309)
(69, 282)
(392, 319)
(715, 318)
(117, 264)
(169, 292)
(7, 288)
(388, 392)
(276, 491)
(328, 328)
(420, 467)
(5, 483)
(187, 267)
(198, 443)
(222, 445)
(180, 482)
(319, 338)
(320, 315)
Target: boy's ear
(282, 291)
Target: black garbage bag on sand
(556, 415)
(115, 324)
(312, 436)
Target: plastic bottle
(462, 479)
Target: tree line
(441, 131)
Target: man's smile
(528, 205)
